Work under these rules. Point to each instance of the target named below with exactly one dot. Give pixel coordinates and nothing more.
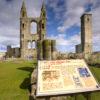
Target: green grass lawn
(96, 72)
(14, 80)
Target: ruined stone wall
(26, 37)
(39, 50)
(13, 52)
(9, 53)
(46, 49)
(78, 48)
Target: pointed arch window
(29, 45)
(88, 19)
(23, 14)
(33, 45)
(22, 35)
(44, 14)
(23, 25)
(33, 28)
(42, 26)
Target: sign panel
(64, 77)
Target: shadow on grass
(29, 69)
(95, 65)
(26, 83)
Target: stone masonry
(25, 31)
(86, 36)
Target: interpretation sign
(64, 77)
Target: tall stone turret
(23, 12)
(43, 22)
(42, 32)
(26, 38)
(23, 29)
(86, 34)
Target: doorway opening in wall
(33, 28)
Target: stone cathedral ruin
(46, 48)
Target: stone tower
(86, 34)
(23, 30)
(26, 36)
(43, 22)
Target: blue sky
(63, 21)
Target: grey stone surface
(86, 34)
(25, 31)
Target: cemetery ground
(15, 80)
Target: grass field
(15, 79)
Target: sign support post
(89, 96)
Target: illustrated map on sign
(64, 77)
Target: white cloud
(96, 20)
(96, 25)
(2, 48)
(96, 42)
(66, 45)
(73, 9)
(56, 9)
(10, 19)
